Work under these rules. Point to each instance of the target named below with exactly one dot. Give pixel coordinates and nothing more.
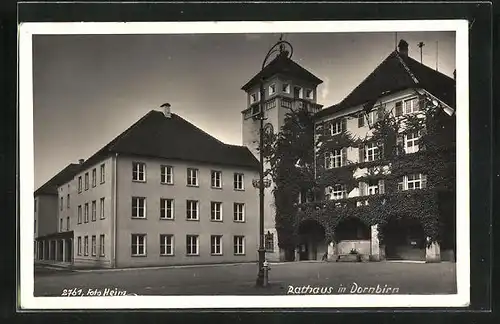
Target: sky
(88, 89)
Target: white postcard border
(26, 167)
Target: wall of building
(46, 214)
(153, 226)
(97, 227)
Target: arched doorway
(312, 245)
(404, 239)
(351, 234)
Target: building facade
(145, 200)
(355, 167)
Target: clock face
(268, 128)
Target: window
(166, 244)
(410, 106)
(254, 97)
(309, 94)
(411, 142)
(192, 177)
(138, 171)
(239, 212)
(238, 181)
(86, 213)
(272, 89)
(286, 88)
(338, 191)
(61, 204)
(94, 247)
(101, 208)
(167, 174)
(86, 246)
(86, 181)
(166, 208)
(372, 152)
(101, 245)
(103, 173)
(94, 210)
(372, 187)
(192, 209)
(413, 182)
(298, 92)
(138, 244)
(269, 242)
(67, 201)
(138, 207)
(79, 246)
(216, 179)
(239, 245)
(79, 184)
(192, 245)
(372, 117)
(336, 128)
(67, 223)
(94, 177)
(336, 158)
(79, 220)
(216, 211)
(60, 224)
(216, 244)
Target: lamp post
(280, 49)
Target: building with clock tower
(287, 85)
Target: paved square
(239, 279)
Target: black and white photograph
(244, 164)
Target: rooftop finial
(282, 45)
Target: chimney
(403, 48)
(166, 109)
(81, 161)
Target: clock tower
(287, 85)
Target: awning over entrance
(56, 236)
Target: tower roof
(282, 64)
(397, 72)
(158, 136)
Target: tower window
(254, 97)
(298, 92)
(286, 88)
(309, 94)
(272, 89)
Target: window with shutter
(421, 104)
(361, 150)
(326, 128)
(344, 156)
(399, 145)
(399, 108)
(424, 181)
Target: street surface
(239, 279)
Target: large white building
(162, 192)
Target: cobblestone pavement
(239, 279)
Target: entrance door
(304, 252)
(404, 240)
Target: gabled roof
(282, 64)
(397, 72)
(158, 136)
(50, 187)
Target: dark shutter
(361, 119)
(344, 156)
(421, 103)
(362, 189)
(344, 124)
(380, 112)
(361, 153)
(381, 150)
(400, 144)
(326, 128)
(399, 108)
(381, 187)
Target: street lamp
(280, 49)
